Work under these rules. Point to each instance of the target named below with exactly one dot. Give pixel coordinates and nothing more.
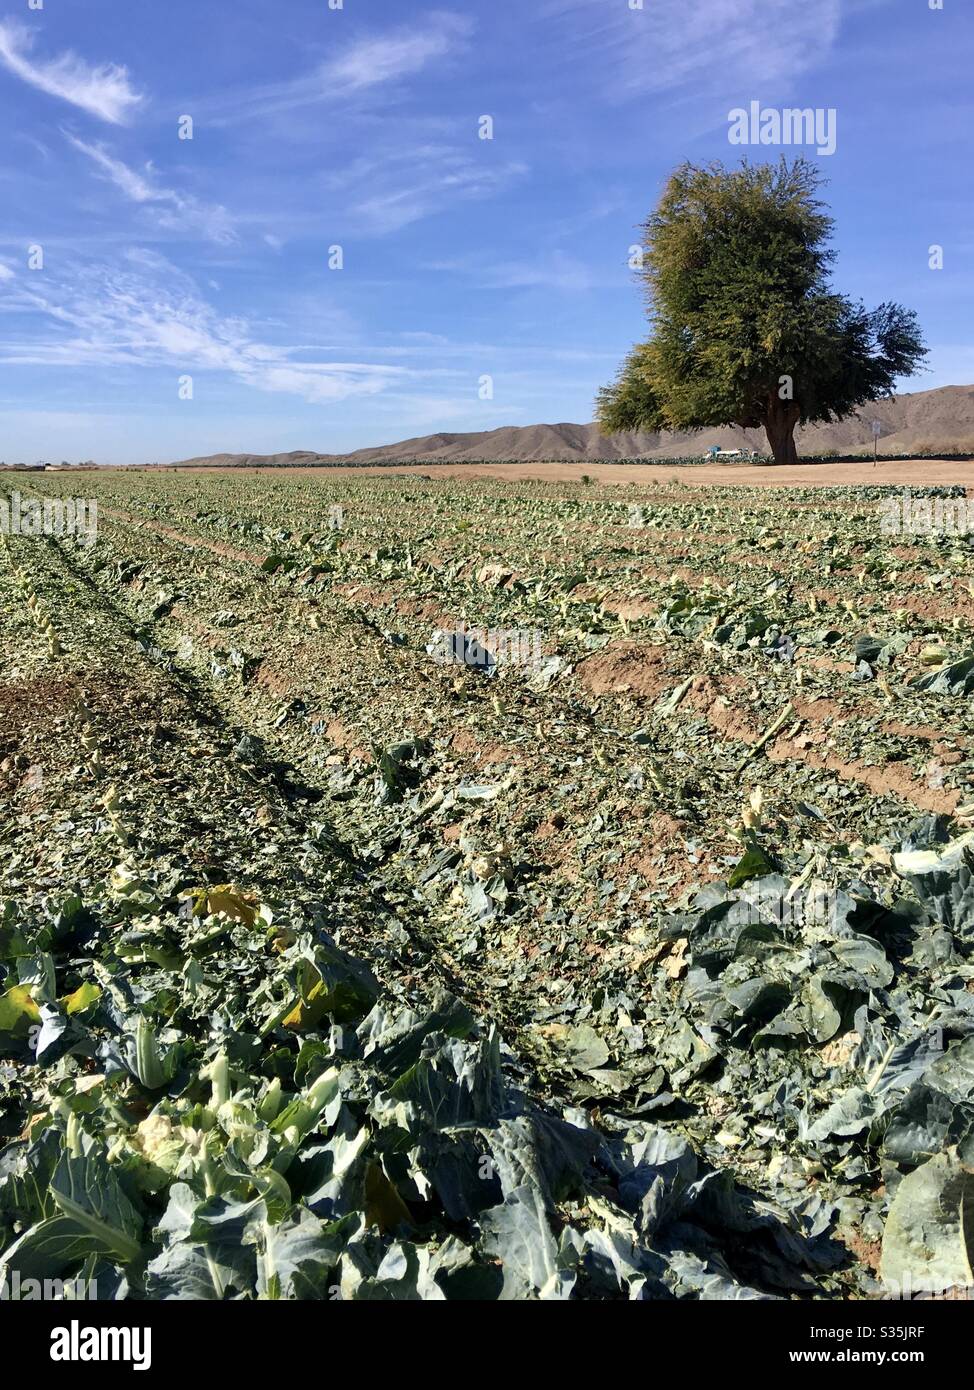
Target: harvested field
(493, 885)
(895, 473)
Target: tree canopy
(745, 327)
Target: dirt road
(901, 474)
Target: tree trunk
(779, 425)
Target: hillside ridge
(940, 420)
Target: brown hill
(930, 422)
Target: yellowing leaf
(225, 900)
(16, 1008)
(383, 1205)
(308, 1012)
(82, 998)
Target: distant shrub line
(922, 453)
(675, 461)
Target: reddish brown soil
(626, 668)
(905, 474)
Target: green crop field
(445, 888)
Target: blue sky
(463, 258)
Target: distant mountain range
(931, 422)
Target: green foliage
(737, 279)
(227, 1067)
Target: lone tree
(745, 328)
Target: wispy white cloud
(103, 91)
(407, 174)
(132, 184)
(172, 209)
(399, 53)
(551, 270)
(149, 314)
(392, 189)
(366, 63)
(719, 46)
